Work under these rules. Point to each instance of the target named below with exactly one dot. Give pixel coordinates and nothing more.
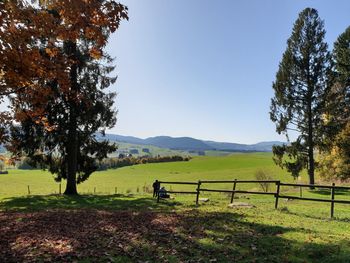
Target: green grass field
(299, 231)
(154, 150)
(128, 179)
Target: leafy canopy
(54, 70)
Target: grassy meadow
(128, 179)
(137, 181)
(132, 227)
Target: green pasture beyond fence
(277, 194)
(30, 190)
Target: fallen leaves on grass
(126, 236)
(70, 235)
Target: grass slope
(128, 179)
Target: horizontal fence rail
(317, 186)
(161, 182)
(180, 192)
(315, 199)
(276, 194)
(236, 191)
(239, 181)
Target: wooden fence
(277, 194)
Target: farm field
(129, 179)
(134, 228)
(153, 150)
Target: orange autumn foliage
(31, 42)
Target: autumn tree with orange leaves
(22, 67)
(55, 75)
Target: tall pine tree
(299, 91)
(341, 54)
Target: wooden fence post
(28, 189)
(277, 193)
(94, 190)
(115, 190)
(301, 191)
(158, 192)
(332, 198)
(59, 189)
(233, 189)
(198, 189)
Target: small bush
(147, 189)
(262, 175)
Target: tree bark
(72, 140)
(72, 159)
(311, 170)
(310, 143)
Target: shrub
(147, 189)
(334, 164)
(262, 175)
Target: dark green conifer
(300, 88)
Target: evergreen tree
(340, 103)
(299, 91)
(60, 136)
(335, 159)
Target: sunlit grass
(298, 231)
(129, 179)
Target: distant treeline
(114, 162)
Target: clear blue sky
(204, 68)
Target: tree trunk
(310, 143)
(72, 160)
(72, 141)
(311, 170)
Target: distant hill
(265, 146)
(227, 146)
(237, 147)
(181, 143)
(121, 138)
(192, 144)
(186, 144)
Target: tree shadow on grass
(313, 216)
(324, 191)
(126, 236)
(107, 202)
(231, 238)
